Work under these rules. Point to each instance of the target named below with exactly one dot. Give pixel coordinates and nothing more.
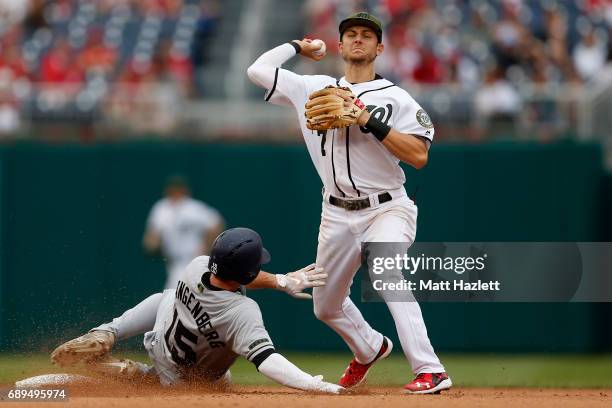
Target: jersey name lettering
(201, 318)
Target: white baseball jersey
(352, 162)
(181, 226)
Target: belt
(358, 204)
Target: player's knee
(320, 313)
(323, 312)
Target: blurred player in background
(179, 228)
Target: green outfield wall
(72, 218)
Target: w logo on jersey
(213, 268)
(382, 113)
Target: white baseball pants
(339, 252)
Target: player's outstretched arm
(279, 369)
(293, 283)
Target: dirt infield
(153, 396)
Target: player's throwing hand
(309, 49)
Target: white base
(47, 380)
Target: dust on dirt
(149, 394)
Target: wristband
(379, 129)
(281, 281)
(298, 47)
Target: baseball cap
(362, 19)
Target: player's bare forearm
(293, 283)
(264, 280)
(408, 148)
(151, 242)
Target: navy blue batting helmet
(237, 255)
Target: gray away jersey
(209, 328)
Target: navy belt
(359, 204)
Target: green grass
(468, 370)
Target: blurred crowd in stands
(495, 53)
(517, 63)
(434, 42)
(65, 57)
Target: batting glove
(294, 283)
(324, 386)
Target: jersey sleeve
(288, 89)
(413, 119)
(208, 217)
(250, 338)
(154, 221)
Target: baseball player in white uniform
(364, 199)
(198, 330)
(180, 228)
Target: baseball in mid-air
(322, 48)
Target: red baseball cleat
(356, 372)
(428, 383)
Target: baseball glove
(332, 108)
